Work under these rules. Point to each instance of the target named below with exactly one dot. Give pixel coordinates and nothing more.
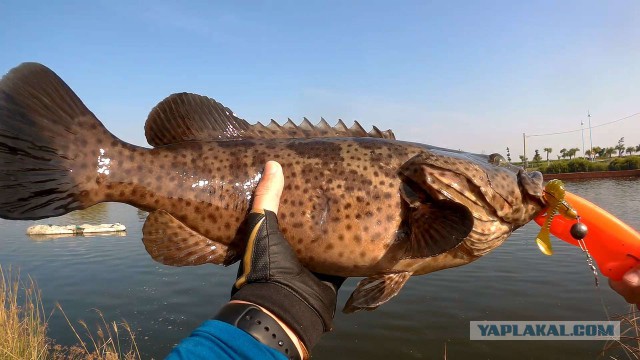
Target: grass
(629, 343)
(23, 328)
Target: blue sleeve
(218, 340)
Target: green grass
(584, 165)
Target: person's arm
(281, 306)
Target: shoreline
(594, 175)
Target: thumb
(269, 189)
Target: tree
(508, 155)
(588, 153)
(638, 148)
(572, 152)
(609, 151)
(537, 157)
(620, 147)
(631, 150)
(563, 153)
(548, 151)
(600, 151)
(522, 158)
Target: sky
(469, 75)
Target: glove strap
(260, 325)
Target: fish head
(492, 189)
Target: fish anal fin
(375, 290)
(171, 242)
(438, 227)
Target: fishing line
(583, 247)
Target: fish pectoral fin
(171, 242)
(375, 291)
(438, 227)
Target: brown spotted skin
(341, 208)
(352, 206)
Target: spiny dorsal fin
(189, 117)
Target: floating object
(614, 245)
(74, 229)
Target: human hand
(271, 277)
(628, 286)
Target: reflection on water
(142, 215)
(163, 304)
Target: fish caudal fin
(45, 130)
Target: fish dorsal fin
(186, 117)
(190, 117)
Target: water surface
(163, 304)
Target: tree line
(596, 151)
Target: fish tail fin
(46, 138)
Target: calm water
(163, 304)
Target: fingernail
(631, 277)
(270, 168)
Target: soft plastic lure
(614, 245)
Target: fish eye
(497, 159)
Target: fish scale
(354, 203)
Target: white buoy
(74, 229)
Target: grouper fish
(355, 204)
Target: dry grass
(23, 329)
(629, 343)
(22, 319)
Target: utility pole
(524, 156)
(590, 137)
(582, 130)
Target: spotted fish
(355, 204)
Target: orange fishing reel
(614, 245)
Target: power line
(572, 131)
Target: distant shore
(594, 175)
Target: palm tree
(548, 151)
(620, 147)
(537, 157)
(609, 151)
(572, 152)
(597, 150)
(563, 153)
(631, 150)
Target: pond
(163, 304)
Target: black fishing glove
(271, 276)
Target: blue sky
(471, 75)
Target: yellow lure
(554, 196)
